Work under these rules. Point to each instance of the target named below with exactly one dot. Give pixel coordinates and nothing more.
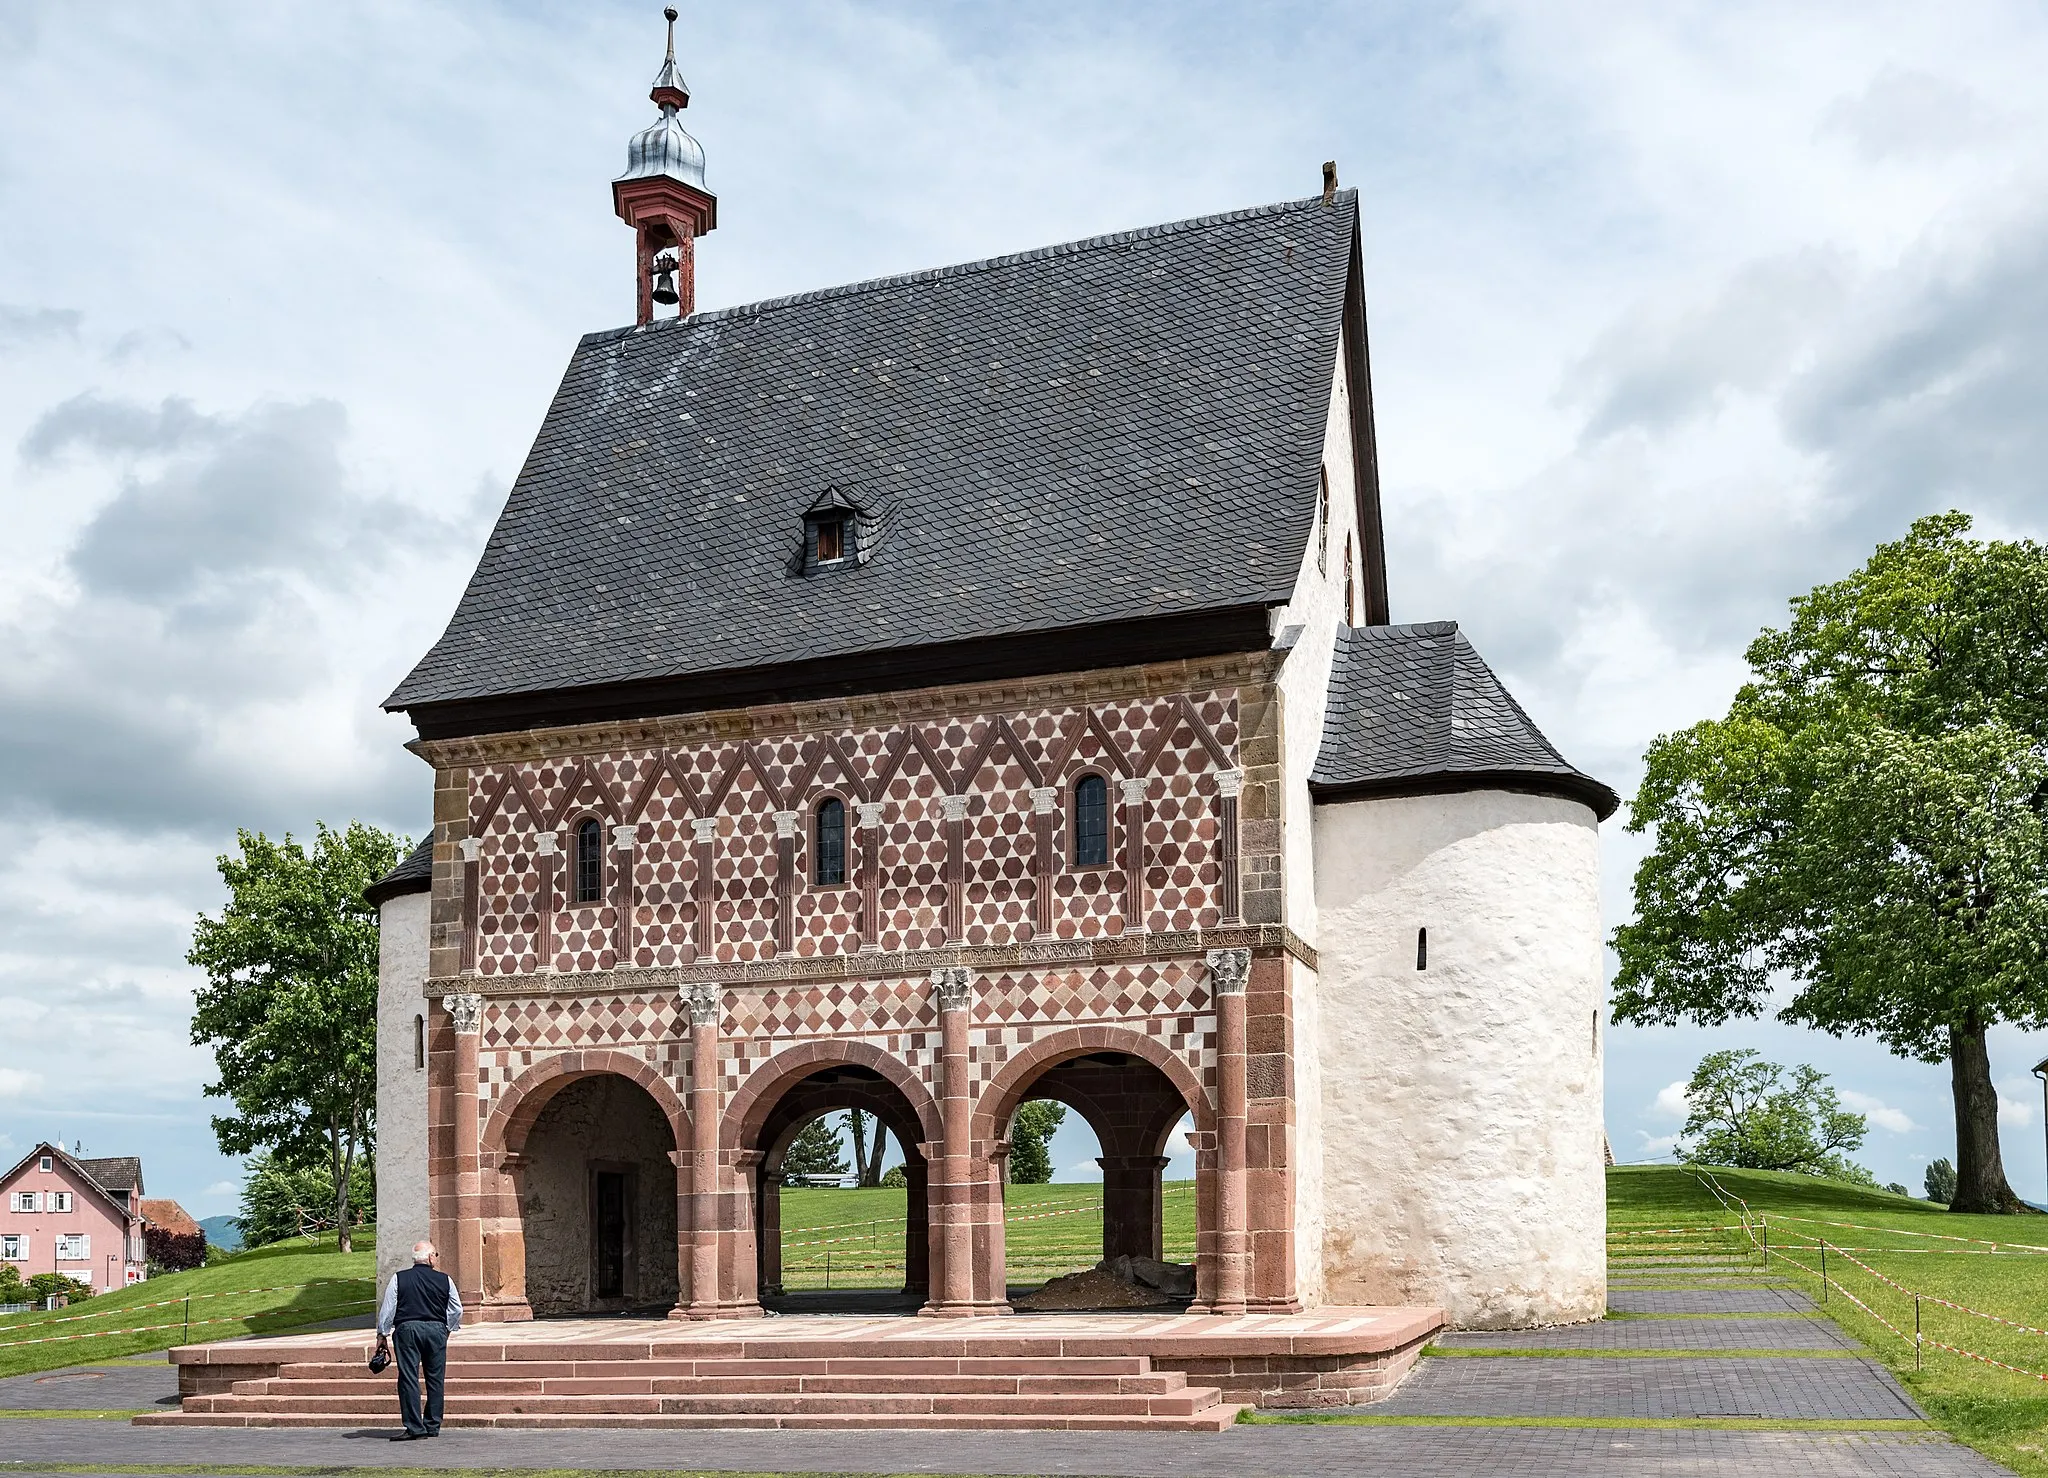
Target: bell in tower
(662, 197)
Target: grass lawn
(855, 1238)
(2002, 1414)
(261, 1291)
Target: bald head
(423, 1252)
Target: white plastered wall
(401, 1084)
(1462, 1102)
(1317, 609)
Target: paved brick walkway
(1794, 1332)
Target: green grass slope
(1881, 1249)
(263, 1291)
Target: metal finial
(670, 15)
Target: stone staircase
(800, 1387)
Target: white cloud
(17, 1082)
(1655, 1147)
(1877, 1111)
(221, 1188)
(1672, 1101)
(2018, 1098)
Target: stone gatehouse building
(937, 693)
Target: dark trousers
(421, 1347)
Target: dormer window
(831, 541)
(833, 533)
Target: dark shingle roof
(120, 1174)
(1414, 709)
(1114, 429)
(414, 875)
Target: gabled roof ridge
(77, 1168)
(969, 269)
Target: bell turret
(662, 196)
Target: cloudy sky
(1676, 310)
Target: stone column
(547, 847)
(703, 928)
(954, 986)
(1132, 1205)
(870, 874)
(467, 1013)
(706, 1004)
(472, 883)
(768, 1232)
(1229, 787)
(1133, 796)
(1228, 971)
(786, 865)
(954, 808)
(917, 1229)
(623, 839)
(1044, 858)
(504, 1241)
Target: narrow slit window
(589, 862)
(1350, 596)
(830, 846)
(1091, 822)
(419, 1041)
(1422, 949)
(1323, 523)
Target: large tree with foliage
(1031, 1132)
(1867, 823)
(290, 1003)
(816, 1150)
(1743, 1111)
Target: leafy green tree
(12, 1289)
(280, 1200)
(290, 1003)
(895, 1178)
(58, 1285)
(1744, 1113)
(1896, 1189)
(816, 1150)
(1031, 1141)
(1940, 1182)
(1867, 820)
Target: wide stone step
(1210, 1419)
(1179, 1403)
(842, 1365)
(1157, 1383)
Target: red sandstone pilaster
(467, 1251)
(955, 1297)
(706, 1005)
(1228, 969)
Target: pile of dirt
(1096, 1288)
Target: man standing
(423, 1306)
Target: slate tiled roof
(119, 1174)
(414, 875)
(1109, 430)
(1415, 709)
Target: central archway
(795, 1089)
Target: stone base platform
(1174, 1372)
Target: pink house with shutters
(81, 1218)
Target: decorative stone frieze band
(1228, 970)
(467, 1010)
(1264, 939)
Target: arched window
(1091, 822)
(830, 845)
(589, 861)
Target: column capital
(785, 824)
(707, 999)
(546, 843)
(1228, 970)
(1042, 799)
(704, 828)
(955, 987)
(954, 807)
(870, 813)
(467, 1009)
(1229, 784)
(472, 848)
(623, 837)
(1132, 788)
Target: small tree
(58, 1285)
(173, 1252)
(280, 1200)
(1744, 1114)
(12, 1289)
(1940, 1182)
(290, 1003)
(816, 1150)
(1031, 1141)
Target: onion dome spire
(662, 196)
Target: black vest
(422, 1294)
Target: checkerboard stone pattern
(1173, 746)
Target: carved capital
(707, 999)
(1042, 798)
(1229, 969)
(546, 844)
(1133, 789)
(954, 985)
(870, 813)
(472, 848)
(467, 1010)
(785, 824)
(1230, 784)
(954, 807)
(623, 838)
(704, 828)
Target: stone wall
(401, 1081)
(1462, 1102)
(608, 1122)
